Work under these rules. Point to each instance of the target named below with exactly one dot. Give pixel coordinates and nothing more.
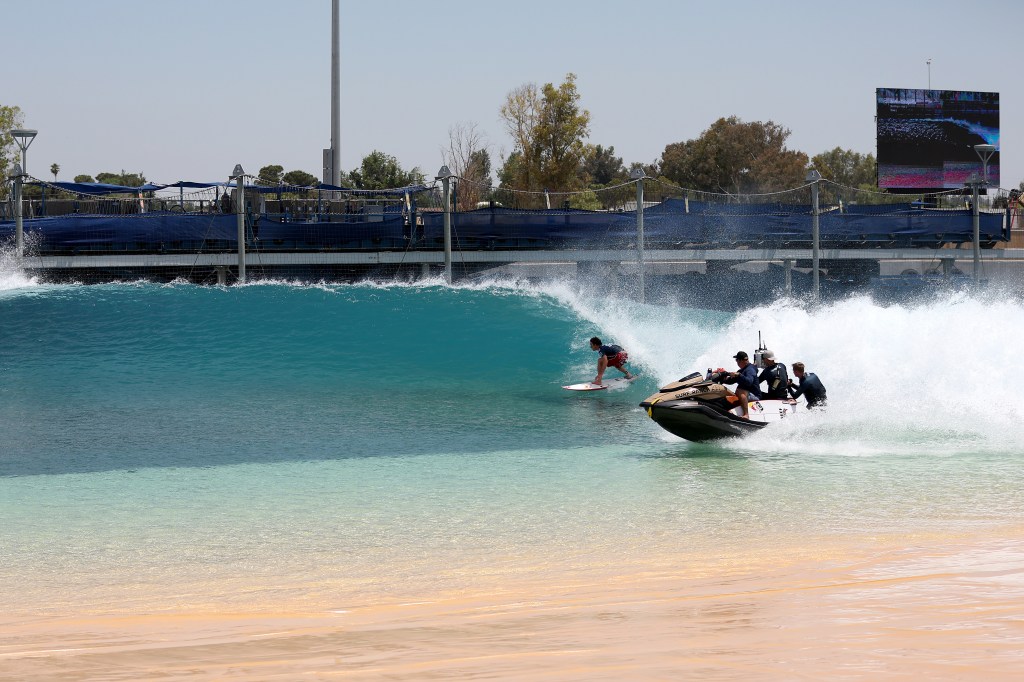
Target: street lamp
(24, 139)
(985, 152)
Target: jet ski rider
(611, 355)
(774, 373)
(747, 384)
(810, 387)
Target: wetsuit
(747, 378)
(777, 378)
(812, 390)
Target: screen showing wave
(926, 138)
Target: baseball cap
(768, 355)
(740, 356)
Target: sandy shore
(931, 609)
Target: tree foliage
(10, 118)
(734, 157)
(847, 167)
(124, 179)
(271, 175)
(602, 167)
(382, 171)
(298, 178)
(54, 169)
(84, 178)
(548, 129)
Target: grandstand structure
(218, 232)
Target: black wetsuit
(777, 378)
(812, 390)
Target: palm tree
(55, 168)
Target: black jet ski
(699, 408)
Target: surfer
(610, 355)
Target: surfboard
(608, 383)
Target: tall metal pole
(815, 236)
(239, 177)
(335, 97)
(18, 225)
(447, 229)
(976, 228)
(640, 235)
(815, 241)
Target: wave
(901, 378)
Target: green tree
(847, 167)
(55, 168)
(10, 119)
(124, 179)
(586, 199)
(548, 129)
(271, 175)
(299, 178)
(84, 178)
(602, 167)
(382, 171)
(734, 157)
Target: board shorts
(618, 360)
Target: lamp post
(814, 177)
(638, 174)
(238, 175)
(24, 138)
(984, 152)
(19, 229)
(929, 63)
(445, 176)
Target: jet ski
(699, 407)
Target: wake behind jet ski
(699, 408)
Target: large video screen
(926, 138)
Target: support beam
(814, 177)
(445, 176)
(639, 175)
(239, 177)
(19, 226)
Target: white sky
(186, 90)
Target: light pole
(445, 176)
(24, 138)
(984, 152)
(929, 63)
(238, 175)
(19, 229)
(813, 178)
(638, 175)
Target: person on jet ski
(775, 375)
(747, 385)
(810, 388)
(611, 355)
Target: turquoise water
(180, 445)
